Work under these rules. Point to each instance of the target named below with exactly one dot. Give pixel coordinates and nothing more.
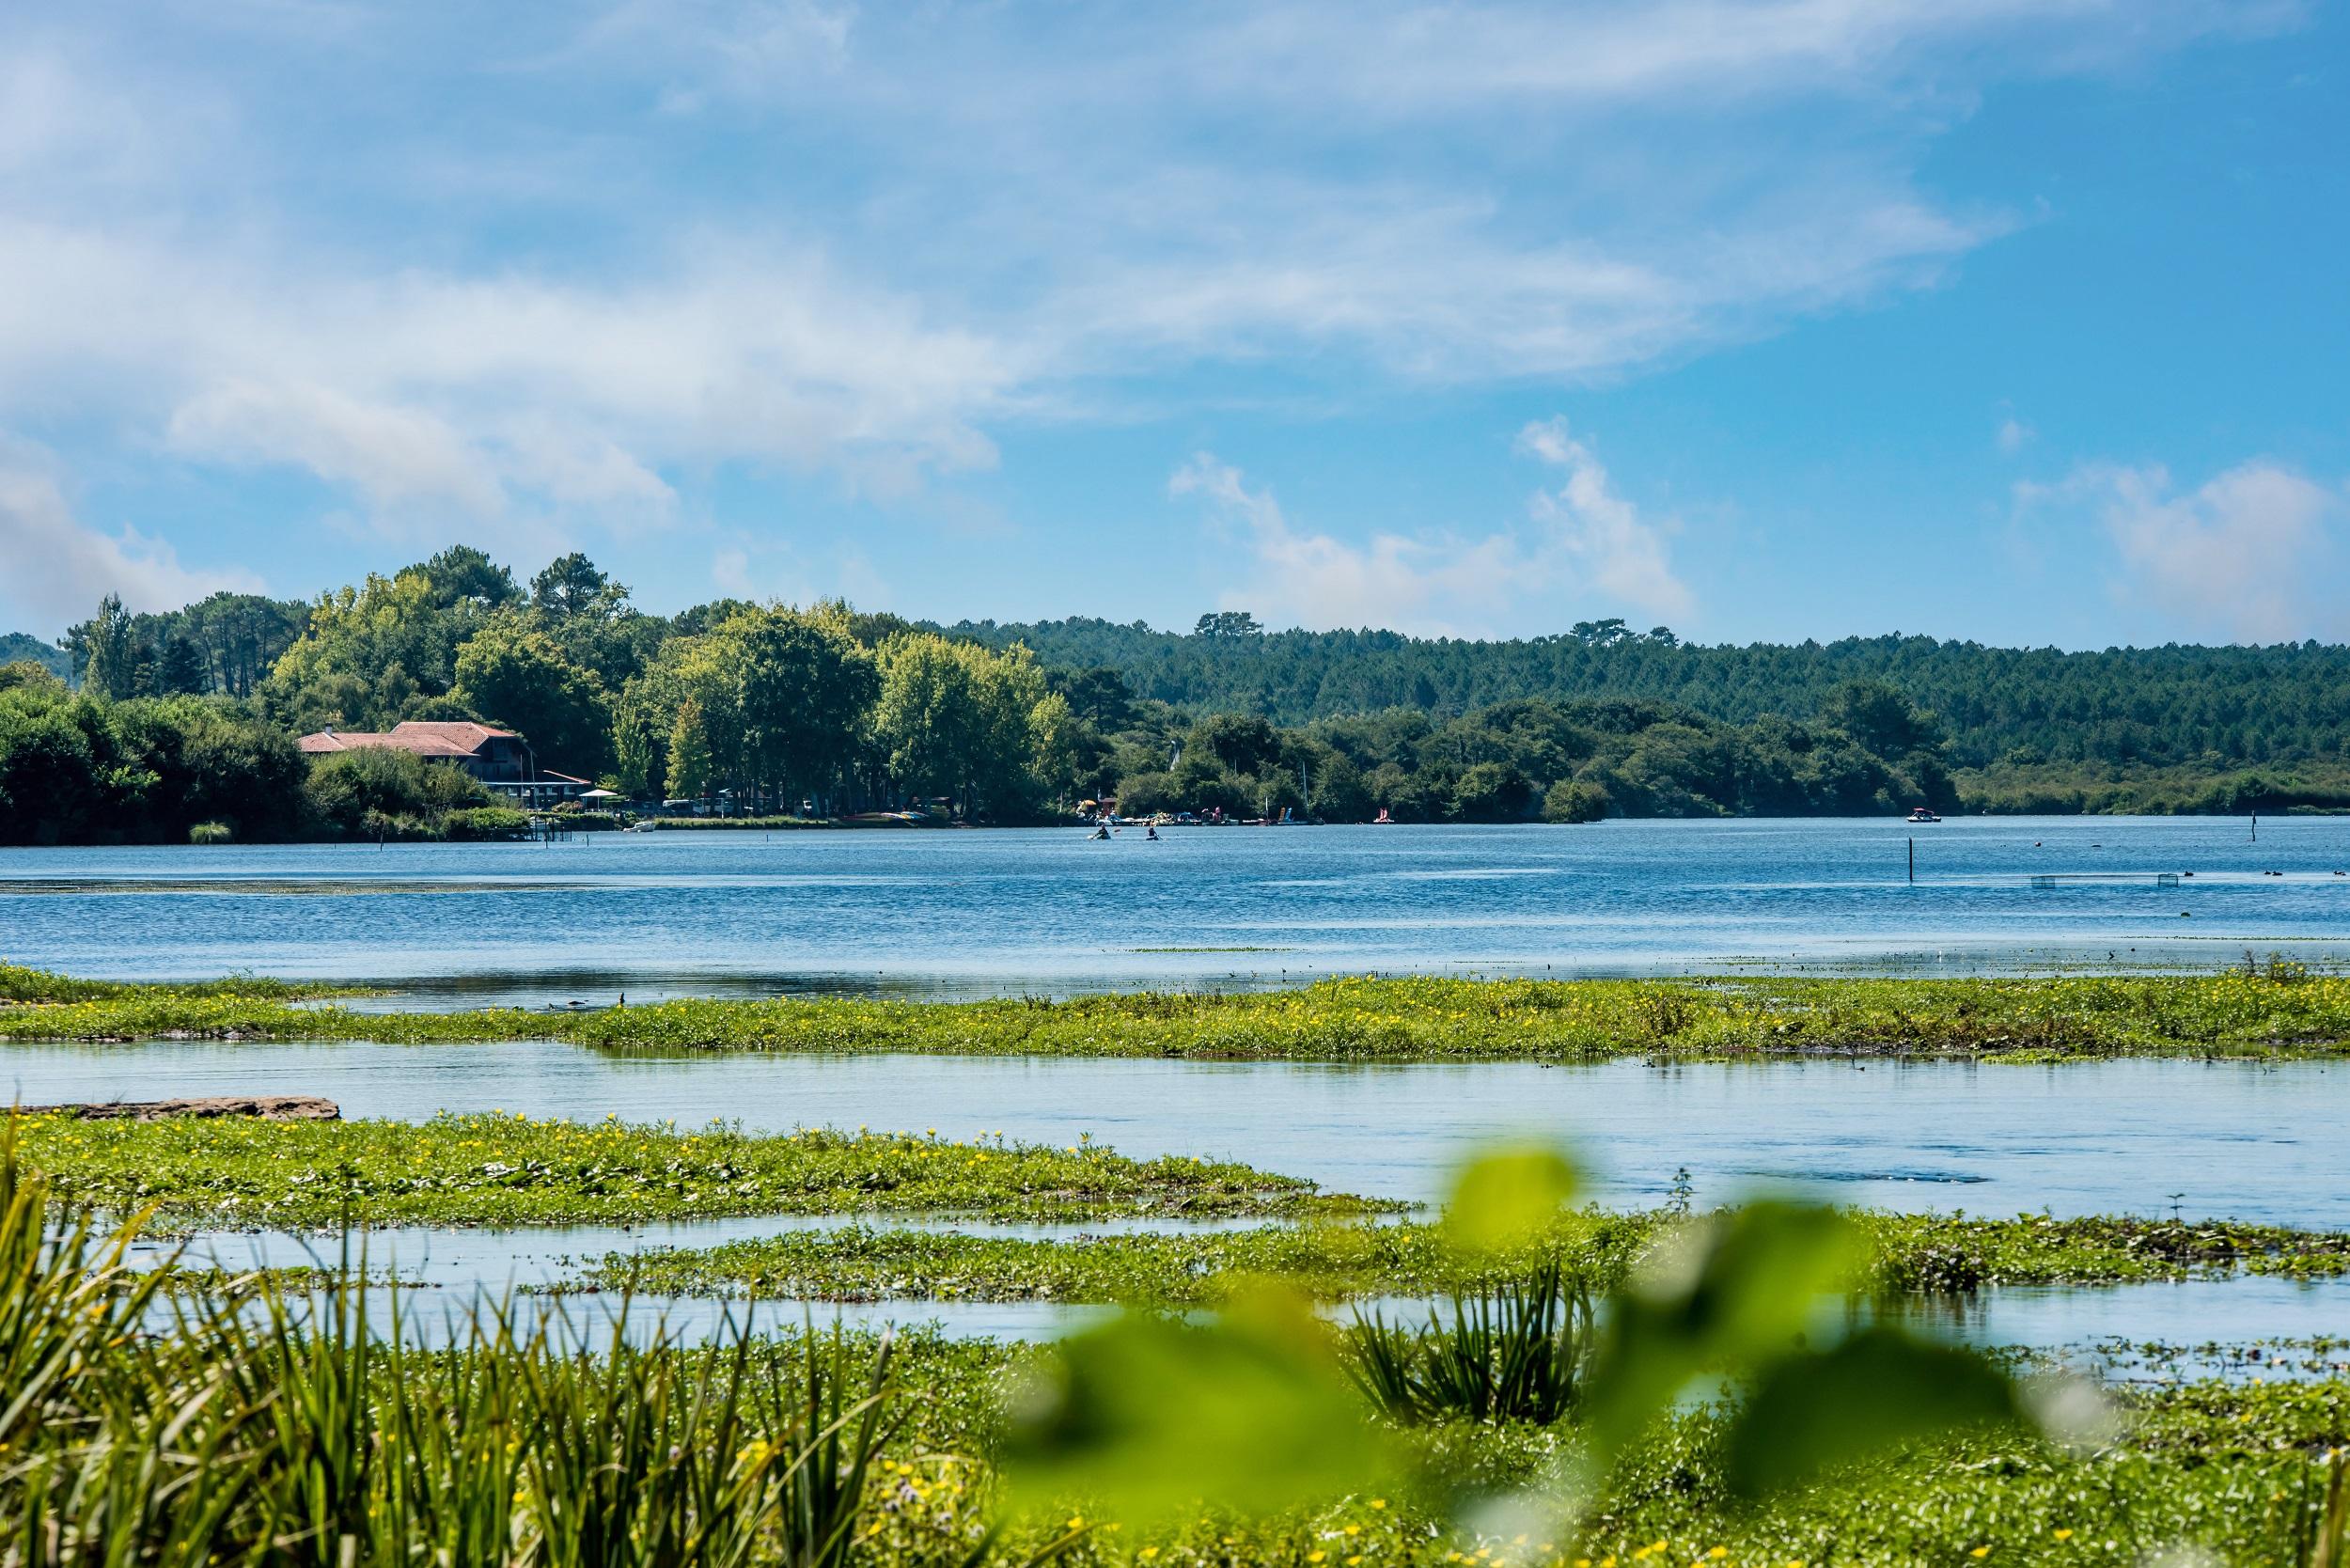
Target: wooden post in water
(1913, 859)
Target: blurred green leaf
(1881, 1387)
(1148, 1417)
(1507, 1199)
(1729, 1295)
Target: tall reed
(139, 1425)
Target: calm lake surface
(1046, 910)
(2130, 1136)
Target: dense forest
(163, 726)
(2155, 707)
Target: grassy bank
(1904, 1253)
(499, 1169)
(2246, 1011)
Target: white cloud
(2246, 553)
(1588, 542)
(58, 569)
(1600, 530)
(397, 458)
(480, 260)
(2013, 435)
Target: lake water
(2255, 1142)
(1049, 911)
(986, 913)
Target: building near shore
(500, 760)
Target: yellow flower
(1980, 1551)
(1378, 1502)
(2064, 1535)
(1316, 1556)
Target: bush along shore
(1903, 1254)
(2252, 1011)
(494, 1169)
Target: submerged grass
(498, 1169)
(1904, 1253)
(2242, 1012)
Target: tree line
(185, 719)
(2172, 706)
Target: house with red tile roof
(498, 758)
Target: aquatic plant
(1517, 1352)
(2232, 1012)
(1899, 1255)
(494, 1169)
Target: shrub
(1573, 801)
(211, 833)
(481, 823)
(349, 791)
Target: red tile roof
(434, 738)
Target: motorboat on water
(1921, 815)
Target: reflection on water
(1047, 911)
(2131, 1137)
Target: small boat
(1922, 815)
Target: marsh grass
(267, 1431)
(2233, 1012)
(148, 1427)
(1902, 1254)
(494, 1169)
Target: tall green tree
(515, 676)
(689, 753)
(111, 651)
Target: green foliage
(2134, 708)
(1518, 1352)
(518, 677)
(979, 728)
(1570, 801)
(212, 833)
(74, 769)
(2231, 1013)
(497, 1169)
(1873, 1390)
(1900, 1255)
(19, 647)
(689, 766)
(381, 790)
(249, 1427)
(484, 823)
(1156, 1419)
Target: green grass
(19, 984)
(2235, 1012)
(1333, 1263)
(498, 1169)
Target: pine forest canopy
(2177, 704)
(186, 719)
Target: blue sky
(2016, 319)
